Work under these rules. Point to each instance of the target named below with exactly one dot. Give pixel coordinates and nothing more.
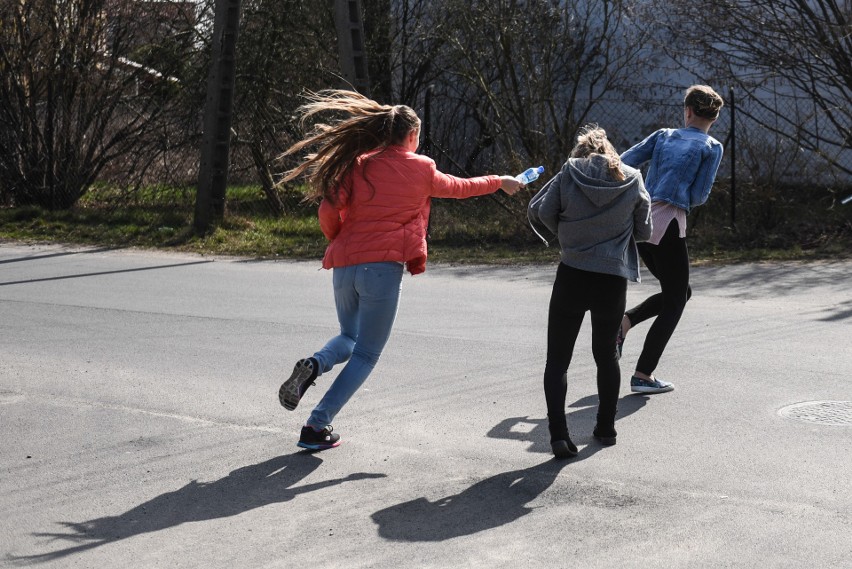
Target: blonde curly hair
(592, 140)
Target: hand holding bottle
(510, 185)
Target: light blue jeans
(367, 298)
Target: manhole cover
(838, 413)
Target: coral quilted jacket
(383, 208)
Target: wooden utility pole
(216, 138)
(350, 44)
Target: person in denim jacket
(682, 165)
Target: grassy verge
(489, 230)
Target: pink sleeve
(329, 219)
(447, 186)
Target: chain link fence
(132, 137)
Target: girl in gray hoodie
(599, 208)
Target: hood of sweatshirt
(593, 179)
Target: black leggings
(574, 293)
(669, 262)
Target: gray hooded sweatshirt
(598, 220)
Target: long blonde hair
(592, 140)
(357, 125)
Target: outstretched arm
(640, 152)
(447, 186)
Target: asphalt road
(140, 426)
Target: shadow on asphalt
(244, 489)
(841, 312)
(487, 504)
(59, 254)
(503, 498)
(581, 422)
(100, 273)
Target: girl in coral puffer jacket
(375, 194)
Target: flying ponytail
(357, 125)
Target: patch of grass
(772, 223)
(490, 229)
(92, 226)
(169, 226)
(286, 237)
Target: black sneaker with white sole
(303, 376)
(318, 440)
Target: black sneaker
(303, 376)
(605, 434)
(560, 441)
(318, 440)
(563, 448)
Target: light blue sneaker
(639, 385)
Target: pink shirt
(662, 214)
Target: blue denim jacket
(683, 165)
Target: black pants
(669, 262)
(574, 293)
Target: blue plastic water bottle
(530, 175)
